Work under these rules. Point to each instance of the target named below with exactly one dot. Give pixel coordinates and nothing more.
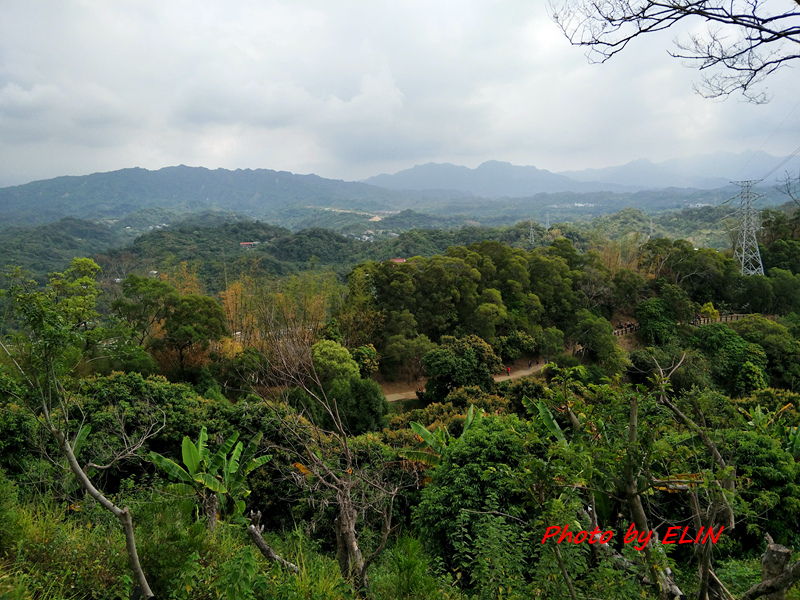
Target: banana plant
(210, 478)
(545, 417)
(429, 451)
(762, 420)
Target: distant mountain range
(492, 179)
(495, 179)
(257, 193)
(300, 201)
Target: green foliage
(751, 377)
(707, 311)
(404, 572)
(781, 348)
(786, 287)
(472, 504)
(515, 344)
(498, 481)
(552, 342)
(433, 444)
(770, 483)
(754, 294)
(51, 247)
(332, 361)
(728, 353)
(67, 557)
(516, 390)
(432, 416)
(596, 337)
(330, 331)
(403, 357)
(17, 433)
(546, 418)
(366, 358)
(146, 302)
(679, 307)
(475, 396)
(460, 362)
(8, 516)
(656, 327)
(135, 398)
(361, 404)
(627, 289)
(223, 473)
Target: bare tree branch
(763, 43)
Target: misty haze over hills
(298, 201)
(495, 179)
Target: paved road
(411, 392)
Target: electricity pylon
(746, 252)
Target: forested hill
(303, 201)
(211, 243)
(185, 189)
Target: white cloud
(345, 89)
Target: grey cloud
(344, 89)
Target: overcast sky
(346, 89)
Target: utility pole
(746, 252)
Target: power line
(769, 137)
(783, 162)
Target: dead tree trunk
(254, 530)
(777, 575)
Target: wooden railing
(697, 322)
(626, 329)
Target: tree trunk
(777, 575)
(773, 563)
(667, 589)
(211, 506)
(122, 514)
(348, 553)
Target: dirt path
(403, 391)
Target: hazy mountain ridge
(707, 171)
(494, 179)
(495, 193)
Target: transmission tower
(530, 234)
(746, 251)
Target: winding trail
(518, 369)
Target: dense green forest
(210, 243)
(185, 417)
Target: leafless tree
(326, 461)
(47, 398)
(744, 42)
(791, 187)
